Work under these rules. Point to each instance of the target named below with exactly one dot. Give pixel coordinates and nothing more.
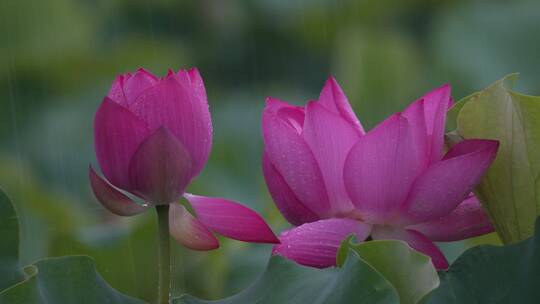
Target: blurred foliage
(58, 57)
(69, 279)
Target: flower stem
(164, 266)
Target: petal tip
(194, 71)
(231, 219)
(444, 89)
(331, 81)
(269, 101)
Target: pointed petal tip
(119, 79)
(444, 89)
(231, 219)
(270, 102)
(468, 220)
(193, 71)
(467, 146)
(446, 86)
(331, 81)
(493, 144)
(145, 71)
(334, 99)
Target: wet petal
(117, 135)
(291, 115)
(112, 199)
(415, 239)
(315, 244)
(447, 183)
(380, 169)
(189, 231)
(197, 85)
(231, 219)
(288, 204)
(334, 100)
(160, 170)
(330, 138)
(294, 160)
(139, 82)
(116, 93)
(174, 105)
(468, 220)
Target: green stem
(164, 284)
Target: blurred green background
(58, 58)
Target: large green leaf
(10, 272)
(287, 282)
(70, 279)
(510, 189)
(410, 272)
(493, 274)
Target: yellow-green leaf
(510, 189)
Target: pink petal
(468, 220)
(330, 138)
(191, 79)
(436, 104)
(112, 199)
(415, 239)
(415, 115)
(293, 159)
(315, 244)
(231, 219)
(189, 231)
(197, 84)
(380, 169)
(160, 170)
(293, 209)
(116, 93)
(117, 134)
(174, 105)
(292, 115)
(138, 83)
(334, 100)
(447, 183)
(427, 118)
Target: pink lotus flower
(152, 137)
(331, 179)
